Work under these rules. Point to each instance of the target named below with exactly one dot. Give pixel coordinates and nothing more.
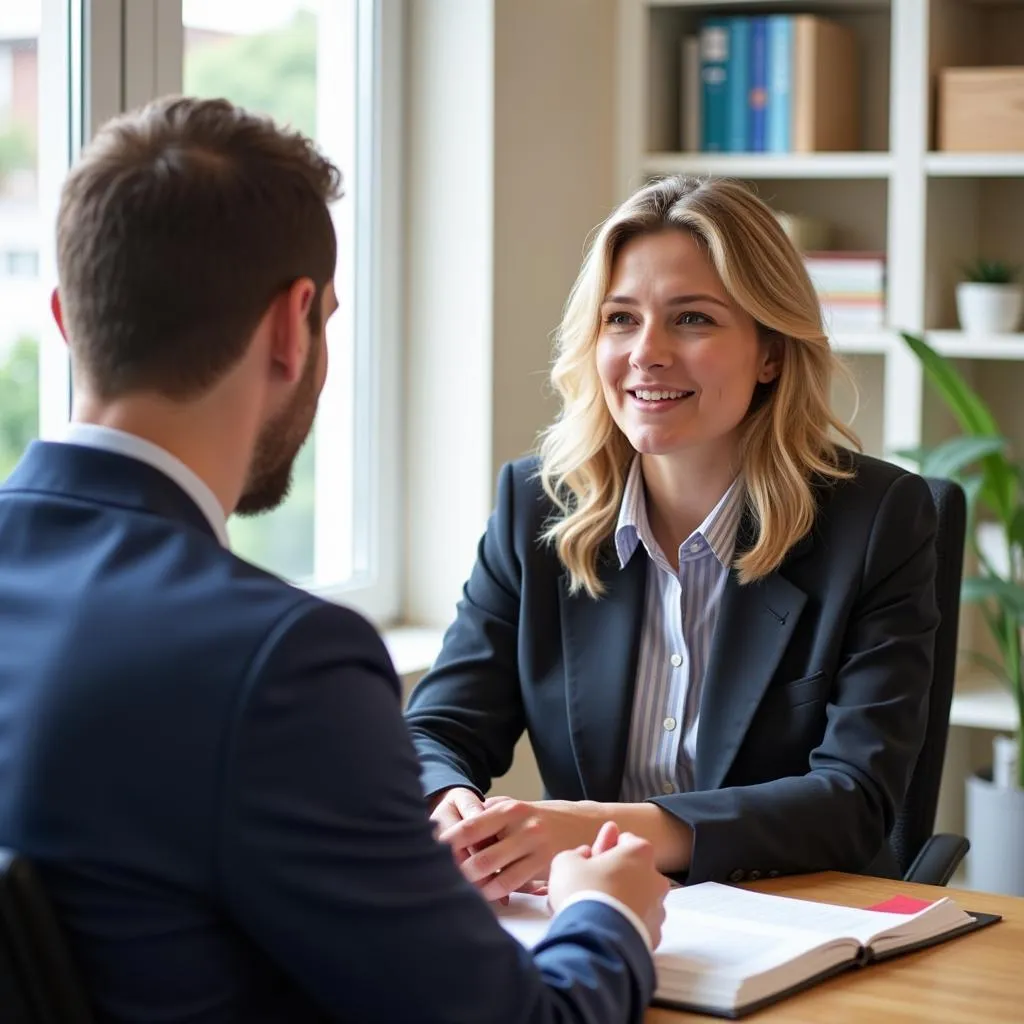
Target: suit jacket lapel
(755, 624)
(601, 642)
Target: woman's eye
(691, 319)
(618, 318)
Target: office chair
(38, 980)
(924, 857)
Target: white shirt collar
(109, 439)
(719, 529)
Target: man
(208, 765)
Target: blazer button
(754, 876)
(736, 876)
(773, 873)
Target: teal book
(714, 60)
(758, 91)
(737, 76)
(780, 83)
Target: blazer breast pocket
(808, 690)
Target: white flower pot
(995, 828)
(989, 308)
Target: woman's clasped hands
(504, 845)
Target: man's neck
(206, 445)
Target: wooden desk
(975, 979)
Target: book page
(707, 955)
(868, 927)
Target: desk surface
(978, 977)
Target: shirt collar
(719, 529)
(120, 442)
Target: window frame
(131, 51)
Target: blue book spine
(758, 84)
(737, 76)
(780, 83)
(714, 61)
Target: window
(35, 99)
(328, 67)
(21, 264)
(317, 65)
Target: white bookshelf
(929, 211)
(809, 167)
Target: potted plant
(990, 299)
(981, 461)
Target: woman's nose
(652, 348)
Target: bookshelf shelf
(983, 703)
(974, 165)
(782, 5)
(966, 346)
(812, 166)
(863, 343)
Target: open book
(729, 951)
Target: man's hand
(509, 844)
(620, 865)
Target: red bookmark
(902, 905)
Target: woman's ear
(770, 365)
(58, 313)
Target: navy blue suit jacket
(815, 696)
(211, 769)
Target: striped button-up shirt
(680, 612)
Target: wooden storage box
(981, 110)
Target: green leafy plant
(990, 272)
(981, 462)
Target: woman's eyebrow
(676, 300)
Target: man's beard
(279, 442)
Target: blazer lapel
(755, 624)
(601, 641)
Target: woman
(715, 623)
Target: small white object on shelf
(985, 308)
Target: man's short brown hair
(177, 228)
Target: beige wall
(510, 165)
(554, 166)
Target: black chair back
(39, 983)
(916, 820)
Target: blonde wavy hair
(787, 436)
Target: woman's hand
(508, 845)
(450, 807)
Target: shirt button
(695, 546)
(677, 660)
(669, 723)
(668, 787)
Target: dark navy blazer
(814, 702)
(211, 769)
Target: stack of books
(851, 288)
(783, 83)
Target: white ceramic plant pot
(989, 308)
(995, 828)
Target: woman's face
(678, 359)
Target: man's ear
(291, 336)
(58, 313)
